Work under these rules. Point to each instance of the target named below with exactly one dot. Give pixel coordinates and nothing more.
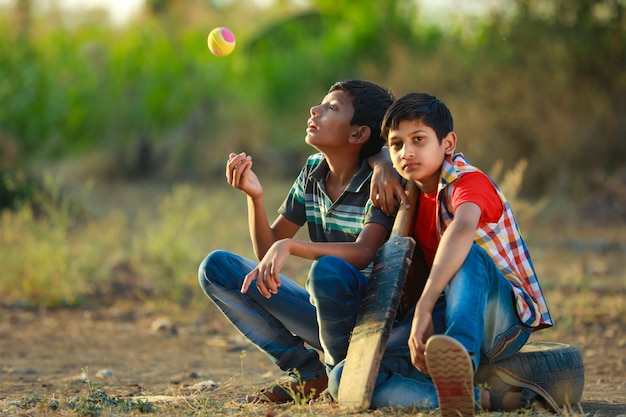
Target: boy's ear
(449, 143)
(360, 134)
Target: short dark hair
(419, 106)
(370, 102)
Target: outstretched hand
(239, 174)
(267, 272)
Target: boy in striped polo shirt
(474, 255)
(331, 196)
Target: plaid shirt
(502, 241)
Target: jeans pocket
(508, 343)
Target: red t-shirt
(474, 187)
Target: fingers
(421, 330)
(388, 196)
(375, 195)
(383, 200)
(267, 279)
(248, 280)
(263, 289)
(236, 167)
(386, 202)
(230, 164)
(418, 357)
(260, 284)
(400, 194)
(266, 282)
(267, 287)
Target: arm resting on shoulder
(386, 188)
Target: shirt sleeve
(477, 188)
(293, 208)
(376, 215)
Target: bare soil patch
(134, 351)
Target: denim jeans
(336, 289)
(478, 310)
(284, 324)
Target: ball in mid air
(221, 41)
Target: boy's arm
(262, 235)
(453, 248)
(240, 175)
(359, 253)
(386, 188)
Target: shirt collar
(448, 171)
(356, 183)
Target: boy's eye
(396, 145)
(332, 107)
(418, 138)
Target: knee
(215, 261)
(323, 273)
(324, 266)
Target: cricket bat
(377, 310)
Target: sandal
(452, 372)
(323, 398)
(275, 393)
(289, 390)
(503, 382)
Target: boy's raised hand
(240, 175)
(267, 272)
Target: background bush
(537, 89)
(534, 80)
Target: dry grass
(138, 231)
(208, 405)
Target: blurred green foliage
(53, 254)
(537, 88)
(535, 80)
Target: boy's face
(417, 154)
(329, 124)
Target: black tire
(556, 368)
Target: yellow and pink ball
(221, 41)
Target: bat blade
(375, 318)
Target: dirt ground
(133, 351)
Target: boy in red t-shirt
(478, 299)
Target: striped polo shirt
(341, 221)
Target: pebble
(164, 326)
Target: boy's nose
(407, 151)
(313, 110)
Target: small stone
(164, 326)
(105, 374)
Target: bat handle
(405, 217)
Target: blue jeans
(284, 324)
(478, 310)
